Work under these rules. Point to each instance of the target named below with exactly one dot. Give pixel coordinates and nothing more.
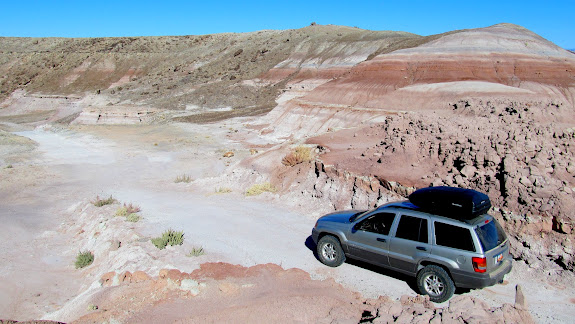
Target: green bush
(99, 202)
(169, 237)
(133, 217)
(84, 259)
(260, 188)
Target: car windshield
(356, 215)
(490, 235)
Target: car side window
(453, 236)
(379, 223)
(412, 228)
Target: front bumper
(314, 235)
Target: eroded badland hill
(381, 112)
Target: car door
(409, 243)
(368, 239)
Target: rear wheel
(435, 282)
(329, 251)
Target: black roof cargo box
(451, 202)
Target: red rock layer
(368, 83)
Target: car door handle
(381, 239)
(421, 248)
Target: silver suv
(442, 252)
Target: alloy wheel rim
(328, 251)
(433, 285)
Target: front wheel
(330, 252)
(435, 282)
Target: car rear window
(453, 236)
(490, 235)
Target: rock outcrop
(523, 165)
(501, 59)
(221, 292)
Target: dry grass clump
(99, 202)
(183, 178)
(223, 190)
(298, 155)
(259, 188)
(196, 251)
(169, 237)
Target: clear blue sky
(554, 20)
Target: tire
(435, 282)
(329, 251)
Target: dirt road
(139, 165)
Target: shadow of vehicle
(409, 280)
(309, 243)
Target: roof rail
(409, 206)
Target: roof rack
(407, 205)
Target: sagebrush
(169, 237)
(84, 259)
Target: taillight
(479, 264)
(315, 226)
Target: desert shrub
(133, 217)
(132, 209)
(122, 211)
(84, 259)
(183, 178)
(196, 251)
(260, 188)
(298, 155)
(99, 202)
(169, 237)
(223, 190)
(127, 210)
